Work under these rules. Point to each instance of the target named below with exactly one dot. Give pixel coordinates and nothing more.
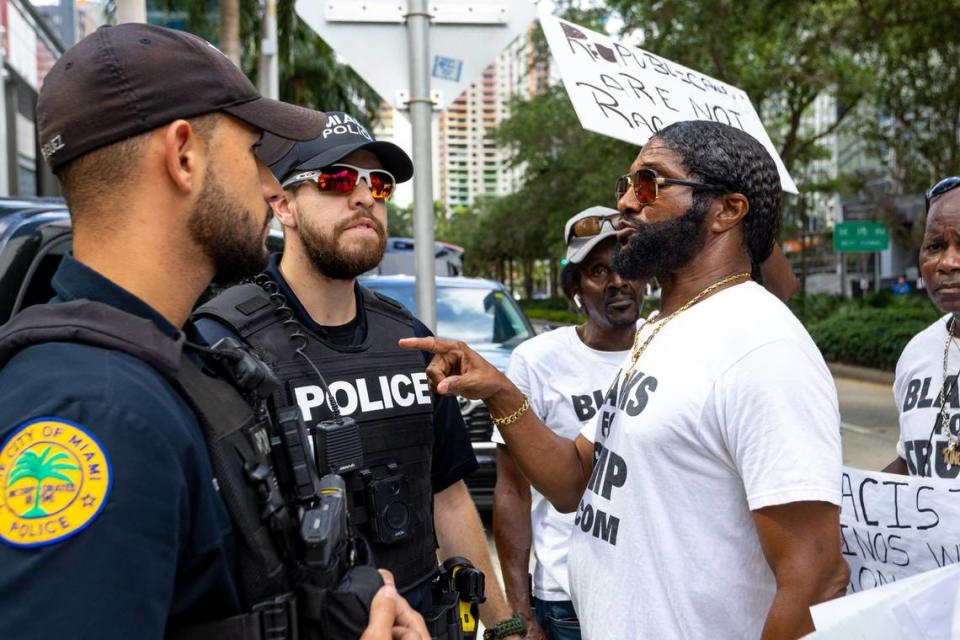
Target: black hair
(570, 279)
(719, 154)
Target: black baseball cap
(128, 79)
(341, 136)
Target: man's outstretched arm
(559, 468)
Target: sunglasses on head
(646, 185)
(937, 190)
(593, 225)
(344, 178)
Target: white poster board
(920, 607)
(627, 93)
(894, 526)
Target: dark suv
(36, 234)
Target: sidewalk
(860, 374)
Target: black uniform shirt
(105, 559)
(453, 457)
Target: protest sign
(923, 606)
(627, 93)
(895, 526)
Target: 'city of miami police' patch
(55, 479)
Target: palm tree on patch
(38, 467)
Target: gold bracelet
(513, 417)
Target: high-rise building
(470, 162)
(467, 163)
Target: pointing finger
(420, 344)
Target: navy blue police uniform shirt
(128, 535)
(453, 457)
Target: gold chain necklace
(638, 349)
(950, 455)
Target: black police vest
(279, 602)
(382, 387)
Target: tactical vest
(382, 387)
(280, 602)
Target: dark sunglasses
(937, 190)
(646, 185)
(344, 178)
(593, 225)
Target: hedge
(870, 336)
(559, 311)
(556, 317)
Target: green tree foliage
(783, 55)
(916, 110)
(310, 74)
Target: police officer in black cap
(334, 344)
(112, 524)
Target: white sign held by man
(895, 526)
(624, 92)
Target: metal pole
(876, 271)
(131, 11)
(68, 23)
(421, 112)
(843, 274)
(268, 75)
(4, 151)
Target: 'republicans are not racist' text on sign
(894, 526)
(627, 93)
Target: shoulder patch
(55, 479)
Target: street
(868, 423)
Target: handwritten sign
(895, 526)
(630, 94)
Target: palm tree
(310, 74)
(39, 468)
(230, 29)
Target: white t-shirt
(916, 390)
(565, 381)
(730, 409)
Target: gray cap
(579, 248)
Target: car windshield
(473, 315)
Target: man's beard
(661, 248)
(222, 227)
(342, 263)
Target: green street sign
(860, 237)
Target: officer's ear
(284, 205)
(184, 156)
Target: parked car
(483, 314)
(36, 233)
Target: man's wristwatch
(512, 626)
